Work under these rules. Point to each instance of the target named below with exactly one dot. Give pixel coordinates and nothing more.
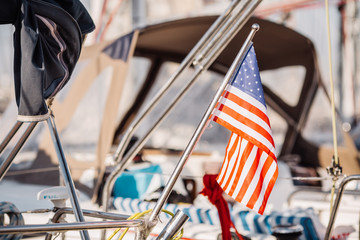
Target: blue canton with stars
(247, 77)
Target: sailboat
(105, 166)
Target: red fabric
(214, 193)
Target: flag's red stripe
(218, 104)
(242, 160)
(230, 149)
(248, 122)
(229, 157)
(252, 170)
(224, 165)
(222, 175)
(233, 167)
(244, 104)
(246, 136)
(268, 191)
(249, 177)
(260, 183)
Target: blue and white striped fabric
(197, 215)
(243, 220)
(253, 222)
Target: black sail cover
(47, 42)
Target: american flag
(249, 170)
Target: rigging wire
(109, 20)
(101, 20)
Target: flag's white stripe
(246, 113)
(245, 170)
(255, 180)
(248, 98)
(223, 169)
(251, 132)
(267, 179)
(240, 146)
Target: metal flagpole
(201, 127)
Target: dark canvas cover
(47, 43)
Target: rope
(139, 215)
(110, 19)
(336, 157)
(331, 85)
(15, 218)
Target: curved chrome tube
(339, 194)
